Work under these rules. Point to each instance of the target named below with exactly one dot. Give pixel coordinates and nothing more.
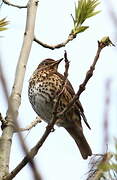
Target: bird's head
(49, 63)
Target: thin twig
(13, 5)
(48, 130)
(30, 126)
(52, 47)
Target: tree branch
(101, 44)
(14, 5)
(57, 46)
(33, 124)
(49, 129)
(15, 98)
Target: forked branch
(101, 44)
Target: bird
(44, 85)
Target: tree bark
(15, 98)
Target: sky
(59, 157)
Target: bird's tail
(78, 136)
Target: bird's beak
(58, 61)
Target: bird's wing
(79, 108)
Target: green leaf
(3, 23)
(3, 29)
(93, 14)
(84, 9)
(81, 29)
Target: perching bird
(44, 85)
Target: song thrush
(44, 85)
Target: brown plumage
(44, 85)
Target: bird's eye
(45, 63)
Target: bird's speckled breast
(42, 90)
